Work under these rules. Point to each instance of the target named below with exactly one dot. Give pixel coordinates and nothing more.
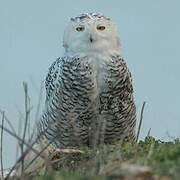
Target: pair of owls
(89, 92)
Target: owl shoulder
(52, 76)
(127, 74)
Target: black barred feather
(75, 99)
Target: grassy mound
(148, 160)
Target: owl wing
(48, 126)
(52, 78)
(121, 76)
(128, 105)
(121, 116)
(127, 77)
(63, 88)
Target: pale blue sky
(31, 34)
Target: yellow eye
(101, 28)
(80, 29)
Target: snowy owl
(89, 92)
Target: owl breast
(84, 94)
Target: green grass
(149, 159)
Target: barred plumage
(89, 89)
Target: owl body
(89, 93)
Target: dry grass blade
(27, 144)
(20, 159)
(27, 112)
(2, 144)
(9, 123)
(37, 114)
(141, 118)
(19, 134)
(37, 117)
(148, 134)
(11, 127)
(30, 147)
(69, 150)
(40, 153)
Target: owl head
(91, 33)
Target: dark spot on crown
(90, 16)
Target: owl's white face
(91, 33)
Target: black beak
(91, 39)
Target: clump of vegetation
(150, 159)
